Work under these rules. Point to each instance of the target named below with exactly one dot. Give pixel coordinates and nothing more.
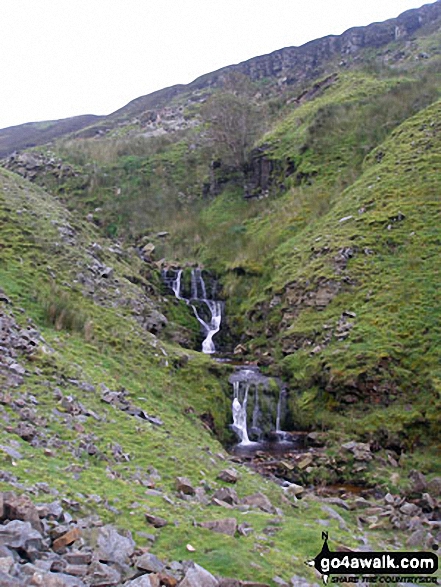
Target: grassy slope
(391, 282)
(163, 380)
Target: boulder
(7, 581)
(45, 579)
(155, 521)
(226, 526)
(184, 486)
(143, 581)
(100, 575)
(20, 535)
(113, 547)
(226, 494)
(259, 500)
(197, 576)
(150, 563)
(228, 475)
(419, 483)
(294, 489)
(434, 487)
(360, 450)
(21, 508)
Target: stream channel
(258, 408)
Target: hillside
(318, 225)
(31, 134)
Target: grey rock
(184, 485)
(113, 547)
(294, 489)
(410, 509)
(7, 581)
(197, 576)
(259, 500)
(6, 564)
(335, 516)
(18, 534)
(143, 581)
(226, 494)
(297, 581)
(14, 454)
(44, 579)
(434, 487)
(100, 575)
(229, 476)
(419, 483)
(417, 538)
(155, 521)
(150, 563)
(225, 526)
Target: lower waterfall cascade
(249, 382)
(198, 295)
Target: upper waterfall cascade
(198, 295)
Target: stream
(259, 403)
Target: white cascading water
(199, 294)
(240, 413)
(243, 381)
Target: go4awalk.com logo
(375, 567)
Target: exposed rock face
(294, 64)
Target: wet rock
(197, 576)
(226, 526)
(184, 486)
(113, 547)
(229, 476)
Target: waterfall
(240, 414)
(198, 295)
(280, 406)
(267, 412)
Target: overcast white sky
(60, 58)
